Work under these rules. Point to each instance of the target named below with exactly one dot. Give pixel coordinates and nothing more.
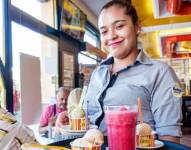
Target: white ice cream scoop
(95, 136)
(143, 129)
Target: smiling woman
(129, 74)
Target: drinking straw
(84, 90)
(140, 110)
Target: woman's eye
(119, 26)
(103, 32)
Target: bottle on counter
(49, 131)
(50, 125)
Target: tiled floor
(186, 139)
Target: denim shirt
(153, 81)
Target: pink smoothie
(121, 126)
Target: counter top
(44, 140)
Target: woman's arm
(170, 138)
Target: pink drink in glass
(121, 124)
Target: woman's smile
(115, 44)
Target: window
(26, 41)
(2, 50)
(1, 33)
(86, 58)
(44, 11)
(90, 38)
(87, 64)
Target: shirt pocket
(133, 91)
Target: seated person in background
(51, 111)
(13, 133)
(73, 101)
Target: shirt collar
(141, 58)
(108, 61)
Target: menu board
(68, 74)
(73, 20)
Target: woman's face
(118, 33)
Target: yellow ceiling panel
(144, 8)
(178, 19)
(186, 44)
(151, 40)
(146, 15)
(175, 31)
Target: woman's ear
(138, 27)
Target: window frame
(13, 13)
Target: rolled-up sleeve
(166, 104)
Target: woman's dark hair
(129, 9)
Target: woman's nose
(112, 34)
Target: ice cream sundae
(77, 116)
(144, 135)
(92, 140)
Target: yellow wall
(145, 12)
(150, 40)
(150, 44)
